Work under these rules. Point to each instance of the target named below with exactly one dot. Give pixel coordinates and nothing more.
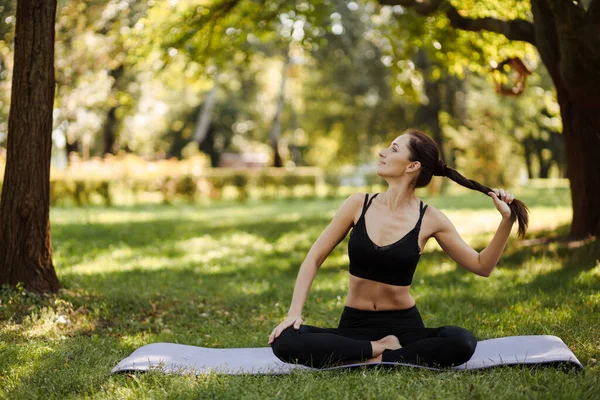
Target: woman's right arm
(335, 232)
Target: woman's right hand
(295, 320)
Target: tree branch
(516, 29)
(195, 20)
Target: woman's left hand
(502, 199)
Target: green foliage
(484, 148)
(457, 50)
(491, 141)
(353, 80)
(211, 184)
(187, 186)
(480, 156)
(80, 192)
(222, 276)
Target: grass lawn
(222, 275)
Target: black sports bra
(393, 264)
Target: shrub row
(130, 179)
(214, 184)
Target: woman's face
(394, 160)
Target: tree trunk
(25, 243)
(428, 114)
(557, 143)
(528, 157)
(110, 129)
(70, 148)
(112, 122)
(568, 41)
(544, 164)
(581, 128)
(276, 125)
(205, 116)
(208, 146)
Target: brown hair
(423, 149)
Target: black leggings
(351, 340)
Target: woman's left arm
(484, 262)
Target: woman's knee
(464, 342)
(285, 344)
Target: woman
(380, 321)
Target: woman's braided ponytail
(426, 151)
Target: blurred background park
(199, 147)
(156, 96)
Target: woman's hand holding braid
(502, 199)
(295, 320)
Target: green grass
(222, 275)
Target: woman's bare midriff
(365, 294)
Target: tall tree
(276, 124)
(567, 36)
(25, 243)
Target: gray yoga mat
(180, 358)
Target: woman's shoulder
(435, 218)
(357, 197)
(432, 212)
(350, 208)
(354, 202)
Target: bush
(119, 180)
(186, 186)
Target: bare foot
(390, 342)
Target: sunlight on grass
(443, 268)
(593, 275)
(206, 252)
(137, 340)
(532, 269)
(295, 216)
(549, 218)
(45, 323)
(593, 300)
(339, 283)
(292, 240)
(475, 221)
(106, 263)
(338, 260)
(213, 214)
(254, 287)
